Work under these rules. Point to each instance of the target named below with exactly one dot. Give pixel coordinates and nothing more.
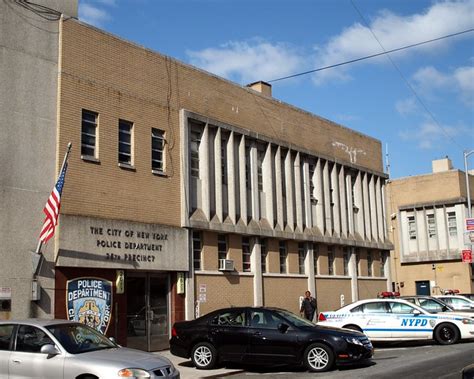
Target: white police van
(394, 319)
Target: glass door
(147, 311)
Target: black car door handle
(257, 334)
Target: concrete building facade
(184, 193)
(428, 227)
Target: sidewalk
(188, 371)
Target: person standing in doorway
(309, 306)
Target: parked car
(470, 296)
(265, 336)
(398, 320)
(63, 349)
(435, 305)
(458, 302)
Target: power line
(371, 56)
(407, 83)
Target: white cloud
(92, 14)
(429, 81)
(430, 135)
(393, 31)
(407, 106)
(249, 61)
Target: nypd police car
(394, 319)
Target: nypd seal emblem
(432, 323)
(89, 301)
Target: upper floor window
(246, 254)
(315, 258)
(345, 255)
(89, 133)
(264, 253)
(330, 260)
(383, 260)
(195, 142)
(222, 246)
(283, 173)
(357, 257)
(312, 195)
(411, 227)
(248, 180)
(197, 248)
(452, 224)
(224, 159)
(431, 225)
(301, 257)
(157, 149)
(283, 257)
(370, 261)
(125, 142)
(260, 158)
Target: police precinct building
(184, 192)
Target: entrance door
(147, 311)
(423, 287)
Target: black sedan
(265, 336)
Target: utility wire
(410, 87)
(371, 56)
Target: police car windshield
(77, 338)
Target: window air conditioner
(226, 265)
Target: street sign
(470, 224)
(466, 256)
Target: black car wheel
(318, 357)
(446, 334)
(204, 356)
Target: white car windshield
(77, 338)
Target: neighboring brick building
(427, 223)
(178, 174)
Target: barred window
(157, 149)
(411, 227)
(330, 260)
(452, 224)
(197, 249)
(246, 254)
(260, 157)
(195, 142)
(301, 257)
(312, 188)
(224, 160)
(431, 225)
(89, 133)
(125, 142)
(283, 257)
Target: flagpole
(69, 145)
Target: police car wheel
(446, 334)
(318, 357)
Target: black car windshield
(77, 338)
(294, 319)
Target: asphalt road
(402, 360)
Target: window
(431, 225)
(246, 254)
(376, 307)
(452, 224)
(5, 336)
(383, 260)
(224, 160)
(264, 319)
(222, 246)
(345, 256)
(312, 196)
(125, 142)
(157, 149)
(248, 179)
(195, 142)
(315, 258)
(357, 257)
(88, 133)
(401, 308)
(431, 306)
(301, 257)
(411, 227)
(197, 248)
(230, 318)
(283, 173)
(370, 262)
(264, 253)
(260, 157)
(330, 260)
(283, 257)
(30, 339)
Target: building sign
(89, 301)
(466, 256)
(93, 242)
(469, 224)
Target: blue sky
(420, 102)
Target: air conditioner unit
(226, 265)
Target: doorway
(147, 311)
(423, 287)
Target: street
(401, 360)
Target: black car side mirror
(283, 327)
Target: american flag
(51, 209)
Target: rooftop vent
(262, 87)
